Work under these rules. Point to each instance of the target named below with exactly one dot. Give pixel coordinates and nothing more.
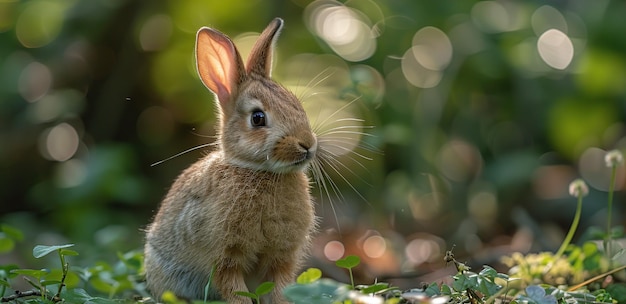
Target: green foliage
(322, 291)
(263, 289)
(42, 279)
(8, 236)
(579, 263)
(40, 251)
(349, 262)
(112, 280)
(309, 276)
(121, 283)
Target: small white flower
(614, 158)
(578, 188)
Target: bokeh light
(34, 81)
(346, 32)
(424, 62)
(40, 23)
(334, 250)
(595, 172)
(71, 173)
(374, 246)
(59, 143)
(453, 122)
(556, 49)
(155, 32)
(459, 160)
(547, 17)
(497, 16)
(422, 249)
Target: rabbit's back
(223, 214)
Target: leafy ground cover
(590, 273)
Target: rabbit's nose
(310, 148)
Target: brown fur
(244, 210)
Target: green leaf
(445, 290)
(488, 272)
(31, 272)
(5, 283)
(6, 244)
(348, 262)
(309, 276)
(617, 291)
(264, 288)
(71, 279)
(12, 232)
(68, 252)
(538, 294)
(488, 288)
(433, 289)
(617, 232)
(101, 285)
(589, 248)
(322, 291)
(47, 283)
(374, 288)
(41, 250)
(247, 294)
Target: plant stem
(208, 285)
(572, 229)
(351, 277)
(600, 276)
(609, 234)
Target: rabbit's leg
(282, 273)
(228, 279)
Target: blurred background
(478, 115)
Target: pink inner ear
(218, 64)
(223, 94)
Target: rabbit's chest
(270, 217)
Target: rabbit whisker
(313, 83)
(334, 165)
(183, 152)
(325, 121)
(326, 185)
(332, 158)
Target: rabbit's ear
(260, 60)
(219, 65)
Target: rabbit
(243, 214)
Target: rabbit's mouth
(301, 163)
(293, 166)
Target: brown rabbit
(243, 214)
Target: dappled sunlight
(439, 125)
(347, 32)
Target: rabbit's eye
(257, 119)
